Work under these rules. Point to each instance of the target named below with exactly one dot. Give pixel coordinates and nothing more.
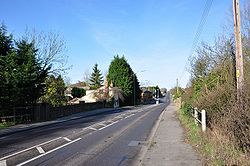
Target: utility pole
(238, 48)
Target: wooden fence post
(203, 120)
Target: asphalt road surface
(113, 138)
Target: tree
(29, 76)
(121, 75)
(21, 75)
(137, 89)
(96, 78)
(78, 92)
(54, 92)
(86, 77)
(6, 47)
(51, 51)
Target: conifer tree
(121, 75)
(96, 78)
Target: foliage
(78, 92)
(54, 91)
(176, 93)
(213, 88)
(214, 147)
(96, 78)
(22, 75)
(121, 75)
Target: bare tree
(86, 76)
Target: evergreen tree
(96, 78)
(6, 48)
(21, 74)
(121, 75)
(29, 75)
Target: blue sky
(154, 35)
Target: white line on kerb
(48, 152)
(40, 149)
(29, 148)
(3, 163)
(67, 139)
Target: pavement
(24, 127)
(167, 147)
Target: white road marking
(92, 128)
(129, 116)
(107, 125)
(101, 124)
(67, 139)
(49, 152)
(115, 121)
(3, 163)
(29, 148)
(85, 128)
(40, 149)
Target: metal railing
(200, 117)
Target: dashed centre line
(3, 158)
(32, 159)
(116, 119)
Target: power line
(203, 20)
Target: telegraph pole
(238, 48)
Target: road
(113, 138)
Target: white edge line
(40, 149)
(48, 152)
(29, 148)
(3, 163)
(115, 121)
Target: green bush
(78, 92)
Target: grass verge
(214, 148)
(6, 125)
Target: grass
(198, 139)
(214, 148)
(6, 125)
